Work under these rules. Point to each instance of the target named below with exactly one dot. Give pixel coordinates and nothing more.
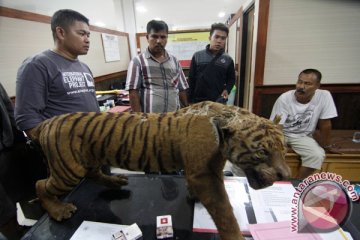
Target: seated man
(301, 110)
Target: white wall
(20, 39)
(129, 23)
(18, 43)
(232, 41)
(99, 12)
(321, 34)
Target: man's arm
(133, 83)
(182, 86)
(8, 104)
(325, 135)
(230, 80)
(225, 94)
(31, 95)
(325, 132)
(279, 109)
(134, 97)
(183, 98)
(192, 80)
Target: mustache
(300, 90)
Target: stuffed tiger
(76, 145)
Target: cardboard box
(132, 232)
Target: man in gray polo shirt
(155, 79)
(55, 81)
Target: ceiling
(184, 14)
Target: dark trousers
(20, 168)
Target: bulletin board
(111, 47)
(181, 44)
(184, 45)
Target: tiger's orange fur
(197, 139)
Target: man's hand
(28, 133)
(134, 97)
(225, 94)
(332, 148)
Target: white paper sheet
(269, 205)
(96, 230)
(235, 188)
(273, 204)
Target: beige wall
(320, 34)
(96, 58)
(20, 39)
(232, 41)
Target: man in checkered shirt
(155, 79)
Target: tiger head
(256, 145)
(253, 143)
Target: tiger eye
(260, 153)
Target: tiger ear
(222, 126)
(277, 119)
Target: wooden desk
(347, 164)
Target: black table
(146, 197)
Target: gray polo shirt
(48, 85)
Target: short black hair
(157, 25)
(314, 71)
(65, 18)
(219, 26)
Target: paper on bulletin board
(111, 47)
(184, 45)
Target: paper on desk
(269, 205)
(279, 230)
(273, 204)
(282, 230)
(239, 200)
(96, 230)
(336, 235)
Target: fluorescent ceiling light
(100, 24)
(141, 8)
(221, 14)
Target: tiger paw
(116, 181)
(120, 180)
(62, 211)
